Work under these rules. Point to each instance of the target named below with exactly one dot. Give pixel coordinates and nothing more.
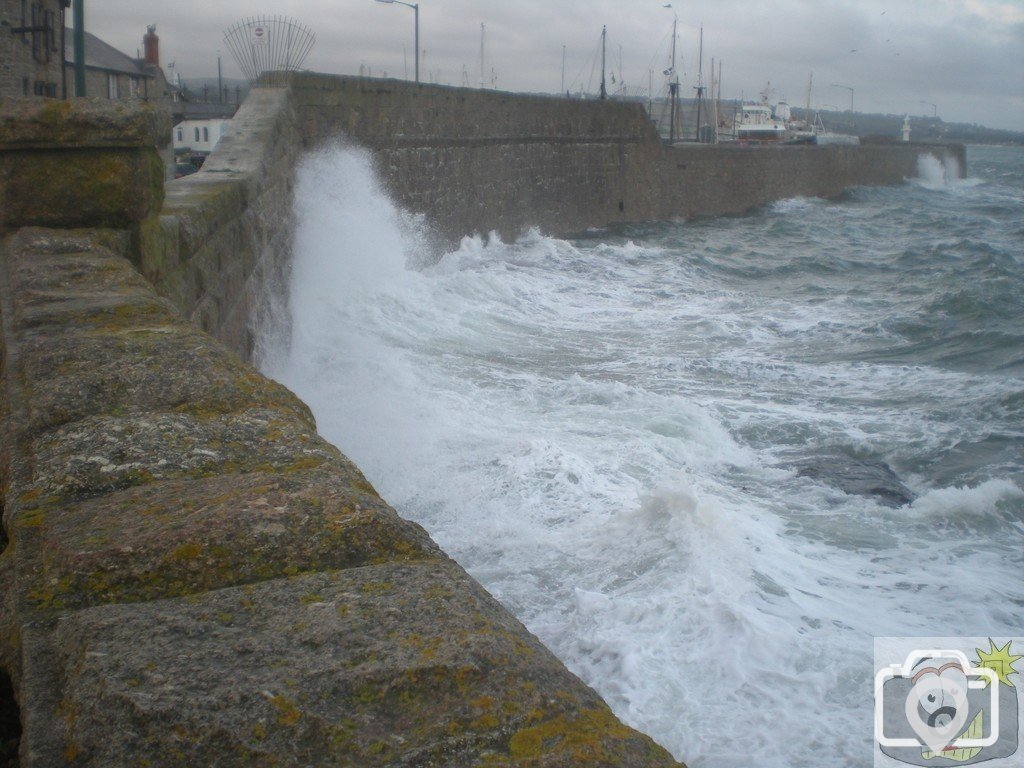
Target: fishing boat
(761, 122)
(757, 122)
(817, 134)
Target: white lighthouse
(906, 129)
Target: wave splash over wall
(611, 433)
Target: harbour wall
(475, 161)
(189, 574)
(470, 161)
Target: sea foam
(597, 429)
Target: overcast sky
(964, 56)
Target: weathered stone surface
(81, 123)
(397, 664)
(102, 187)
(182, 536)
(80, 162)
(223, 238)
(194, 577)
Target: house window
(35, 35)
(181, 135)
(43, 35)
(112, 90)
(42, 88)
(197, 135)
(206, 135)
(133, 86)
(51, 31)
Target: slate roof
(100, 55)
(190, 110)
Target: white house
(200, 136)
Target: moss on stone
(287, 712)
(584, 736)
(98, 187)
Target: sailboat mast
(604, 35)
(700, 79)
(718, 98)
(562, 89)
(674, 22)
(481, 54)
(713, 109)
(807, 114)
(673, 86)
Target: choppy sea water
(640, 440)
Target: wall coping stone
(81, 123)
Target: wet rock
(856, 477)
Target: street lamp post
(847, 87)
(78, 15)
(416, 9)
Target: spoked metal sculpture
(266, 48)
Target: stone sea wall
(475, 161)
(189, 574)
(224, 234)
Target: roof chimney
(151, 44)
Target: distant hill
(876, 126)
(921, 128)
(205, 89)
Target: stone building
(37, 55)
(111, 74)
(32, 40)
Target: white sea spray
(618, 434)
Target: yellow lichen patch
(485, 723)
(185, 552)
(438, 592)
(29, 519)
(482, 702)
(582, 737)
(287, 712)
(377, 587)
(49, 595)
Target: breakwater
(190, 574)
(483, 160)
(469, 161)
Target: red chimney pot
(151, 44)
